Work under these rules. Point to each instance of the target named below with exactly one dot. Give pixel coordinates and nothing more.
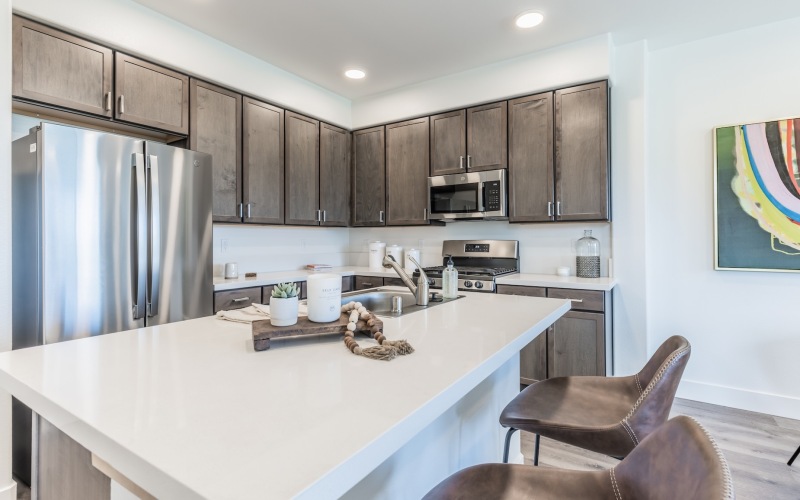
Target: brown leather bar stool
(609, 415)
(678, 460)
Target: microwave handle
(482, 201)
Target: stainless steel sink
(379, 301)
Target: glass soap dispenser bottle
(588, 256)
(450, 280)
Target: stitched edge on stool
(674, 358)
(638, 383)
(631, 433)
(617, 494)
(726, 471)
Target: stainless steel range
(478, 262)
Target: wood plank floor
(757, 447)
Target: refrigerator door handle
(155, 238)
(139, 280)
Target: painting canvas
(757, 196)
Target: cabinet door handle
(549, 208)
(380, 215)
(558, 208)
(241, 299)
(324, 216)
(108, 101)
(469, 162)
(461, 162)
(121, 104)
(424, 214)
(241, 210)
(248, 210)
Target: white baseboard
(761, 402)
(9, 492)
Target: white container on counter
(410, 266)
(324, 297)
(377, 251)
(396, 251)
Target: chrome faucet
(421, 289)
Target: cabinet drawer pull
(366, 283)
(576, 300)
(241, 299)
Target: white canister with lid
(324, 297)
(396, 251)
(377, 251)
(410, 266)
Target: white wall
(278, 248)
(543, 247)
(628, 175)
(743, 326)
(561, 66)
(131, 27)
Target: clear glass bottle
(588, 256)
(450, 280)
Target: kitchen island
(190, 410)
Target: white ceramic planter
(283, 312)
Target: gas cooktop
(478, 262)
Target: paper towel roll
(377, 251)
(324, 297)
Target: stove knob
(467, 284)
(478, 284)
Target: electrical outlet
(303, 244)
(223, 245)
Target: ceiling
(402, 42)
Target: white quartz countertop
(524, 279)
(264, 279)
(190, 410)
(554, 281)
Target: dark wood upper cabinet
(334, 175)
(52, 67)
(487, 143)
(368, 192)
(530, 159)
(581, 152)
(449, 143)
(407, 166)
(262, 166)
(151, 95)
(216, 130)
(302, 170)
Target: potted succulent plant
(283, 305)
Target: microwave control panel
(492, 201)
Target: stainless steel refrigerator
(110, 233)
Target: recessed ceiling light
(529, 19)
(355, 74)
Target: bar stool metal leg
(536, 451)
(791, 460)
(511, 431)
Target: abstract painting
(757, 196)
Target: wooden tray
(263, 331)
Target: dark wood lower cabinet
(364, 282)
(236, 299)
(576, 345)
(573, 345)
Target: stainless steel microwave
(468, 196)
